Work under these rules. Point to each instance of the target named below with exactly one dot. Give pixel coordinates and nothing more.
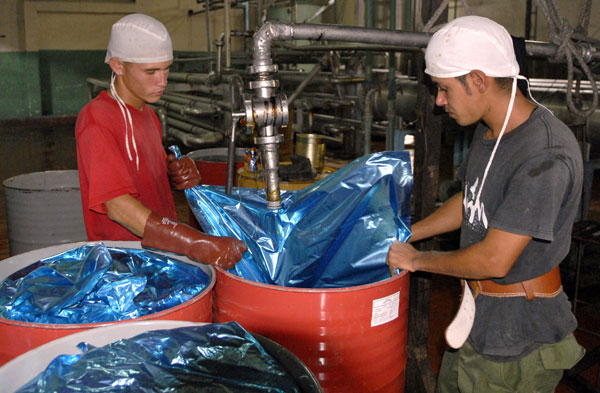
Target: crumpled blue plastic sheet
(334, 233)
(93, 283)
(209, 358)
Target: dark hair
(504, 83)
(463, 81)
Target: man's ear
(480, 80)
(116, 65)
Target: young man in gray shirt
(522, 184)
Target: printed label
(385, 309)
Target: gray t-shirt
(533, 188)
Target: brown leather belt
(547, 285)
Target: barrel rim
(221, 271)
(8, 183)
(216, 151)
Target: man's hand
(401, 256)
(164, 234)
(183, 172)
(224, 252)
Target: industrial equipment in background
(329, 87)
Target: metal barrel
(43, 209)
(353, 339)
(212, 164)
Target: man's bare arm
(129, 212)
(445, 219)
(493, 257)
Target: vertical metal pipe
(391, 112)
(259, 13)
(368, 25)
(335, 13)
(246, 23)
(227, 34)
(231, 157)
(219, 67)
(368, 120)
(208, 43)
(408, 15)
(528, 9)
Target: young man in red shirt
(123, 167)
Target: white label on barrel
(385, 309)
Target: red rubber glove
(164, 234)
(183, 172)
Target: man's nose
(162, 78)
(440, 99)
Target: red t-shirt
(106, 172)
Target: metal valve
(266, 115)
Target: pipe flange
(586, 50)
(261, 84)
(266, 140)
(262, 68)
(273, 205)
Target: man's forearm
(129, 212)
(493, 257)
(445, 219)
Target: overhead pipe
(349, 47)
(335, 119)
(279, 31)
(195, 140)
(318, 78)
(188, 110)
(206, 100)
(192, 124)
(189, 100)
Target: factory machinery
(328, 86)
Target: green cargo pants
(466, 371)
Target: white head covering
(136, 38)
(139, 38)
(471, 43)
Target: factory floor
(444, 298)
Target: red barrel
(353, 339)
(212, 164)
(18, 337)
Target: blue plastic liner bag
(334, 233)
(205, 359)
(93, 283)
